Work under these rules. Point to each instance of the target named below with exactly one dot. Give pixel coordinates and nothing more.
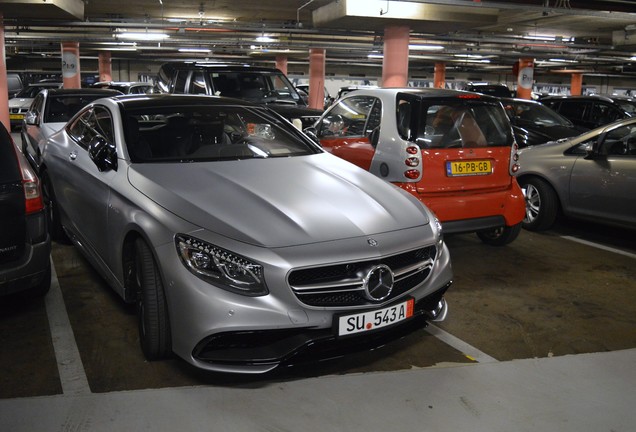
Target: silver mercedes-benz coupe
(243, 243)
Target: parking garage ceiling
(594, 37)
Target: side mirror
(312, 133)
(103, 154)
(31, 118)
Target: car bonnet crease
(303, 202)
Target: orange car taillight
(412, 174)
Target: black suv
(265, 86)
(591, 111)
(498, 90)
(25, 246)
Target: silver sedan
(591, 176)
(243, 243)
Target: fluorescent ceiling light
(558, 60)
(194, 50)
(375, 56)
(425, 47)
(264, 39)
(548, 38)
(633, 58)
(145, 36)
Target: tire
(542, 204)
(56, 231)
(500, 236)
(152, 310)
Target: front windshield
(211, 133)
(534, 113)
(255, 86)
(628, 106)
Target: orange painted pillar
(281, 63)
(439, 79)
(395, 66)
(317, 78)
(71, 65)
(525, 78)
(105, 66)
(576, 85)
(4, 86)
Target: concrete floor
(541, 336)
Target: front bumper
(217, 330)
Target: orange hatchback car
(454, 150)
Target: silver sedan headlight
(221, 267)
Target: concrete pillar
(105, 66)
(281, 63)
(525, 78)
(395, 66)
(439, 79)
(71, 65)
(317, 78)
(576, 85)
(4, 86)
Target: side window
(91, 123)
(573, 109)
(197, 83)
(404, 119)
(180, 81)
(620, 142)
(603, 113)
(36, 106)
(348, 118)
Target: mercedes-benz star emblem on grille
(378, 283)
(372, 242)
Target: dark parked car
(265, 86)
(242, 241)
(591, 176)
(499, 90)
(534, 123)
(592, 111)
(25, 246)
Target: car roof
(81, 92)
(215, 66)
(422, 92)
(167, 100)
(580, 97)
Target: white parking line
(468, 350)
(69, 362)
(600, 246)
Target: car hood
(281, 201)
(20, 102)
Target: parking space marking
(69, 363)
(468, 350)
(600, 246)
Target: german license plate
(16, 116)
(468, 168)
(371, 320)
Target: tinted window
(352, 117)
(603, 113)
(463, 123)
(180, 81)
(535, 113)
(573, 109)
(620, 141)
(209, 133)
(255, 86)
(60, 108)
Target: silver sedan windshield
(197, 133)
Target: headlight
(439, 236)
(221, 267)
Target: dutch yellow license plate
(468, 168)
(16, 116)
